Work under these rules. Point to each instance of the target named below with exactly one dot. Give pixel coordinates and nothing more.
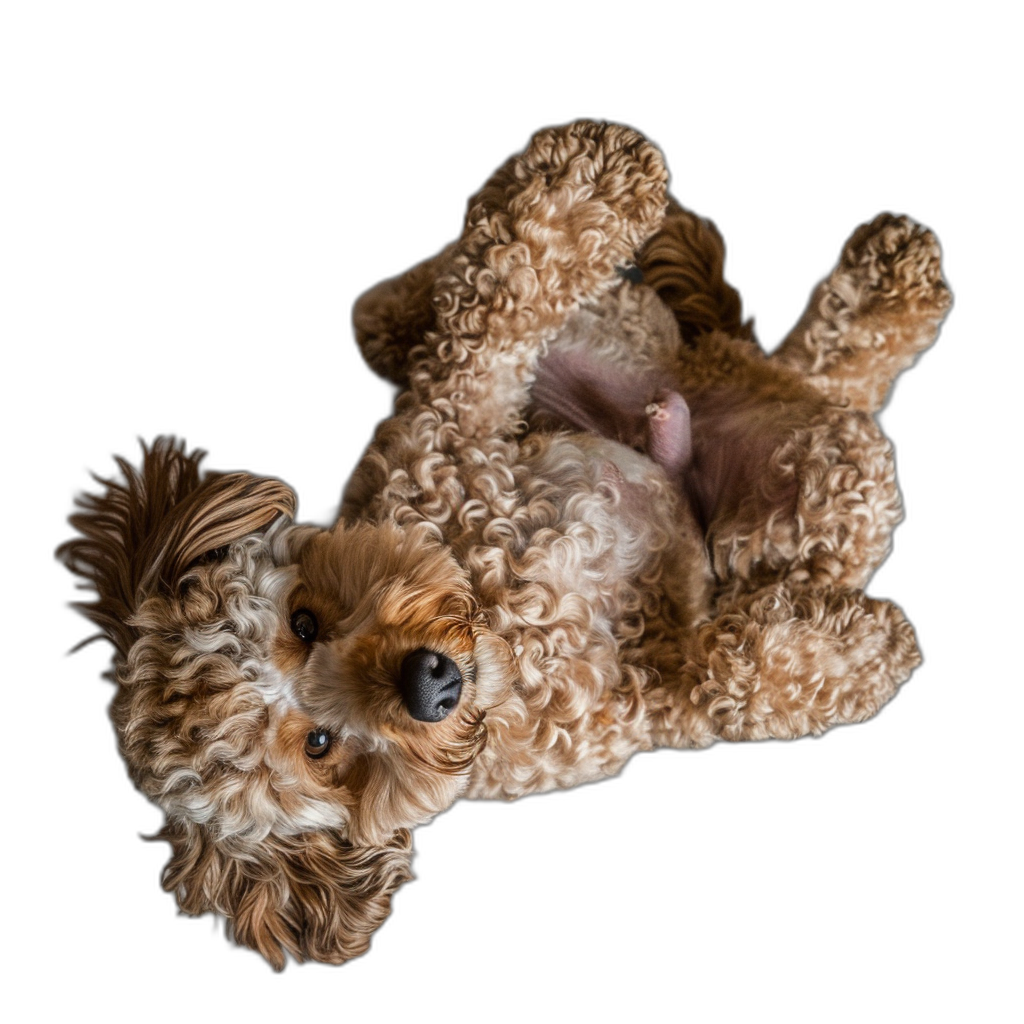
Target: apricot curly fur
(598, 505)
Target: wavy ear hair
(140, 536)
(314, 896)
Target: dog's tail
(684, 263)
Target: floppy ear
(139, 536)
(314, 895)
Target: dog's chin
(398, 793)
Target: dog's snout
(430, 684)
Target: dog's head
(295, 699)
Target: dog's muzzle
(430, 684)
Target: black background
(208, 250)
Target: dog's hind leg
(871, 317)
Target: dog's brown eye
(304, 625)
(318, 742)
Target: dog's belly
(627, 515)
(637, 405)
(606, 561)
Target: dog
(600, 520)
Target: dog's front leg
(783, 663)
(543, 236)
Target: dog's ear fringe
(141, 533)
(312, 896)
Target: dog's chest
(591, 562)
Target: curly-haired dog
(514, 597)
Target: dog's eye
(304, 625)
(318, 742)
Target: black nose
(430, 685)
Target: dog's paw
(605, 172)
(579, 201)
(892, 262)
(871, 317)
